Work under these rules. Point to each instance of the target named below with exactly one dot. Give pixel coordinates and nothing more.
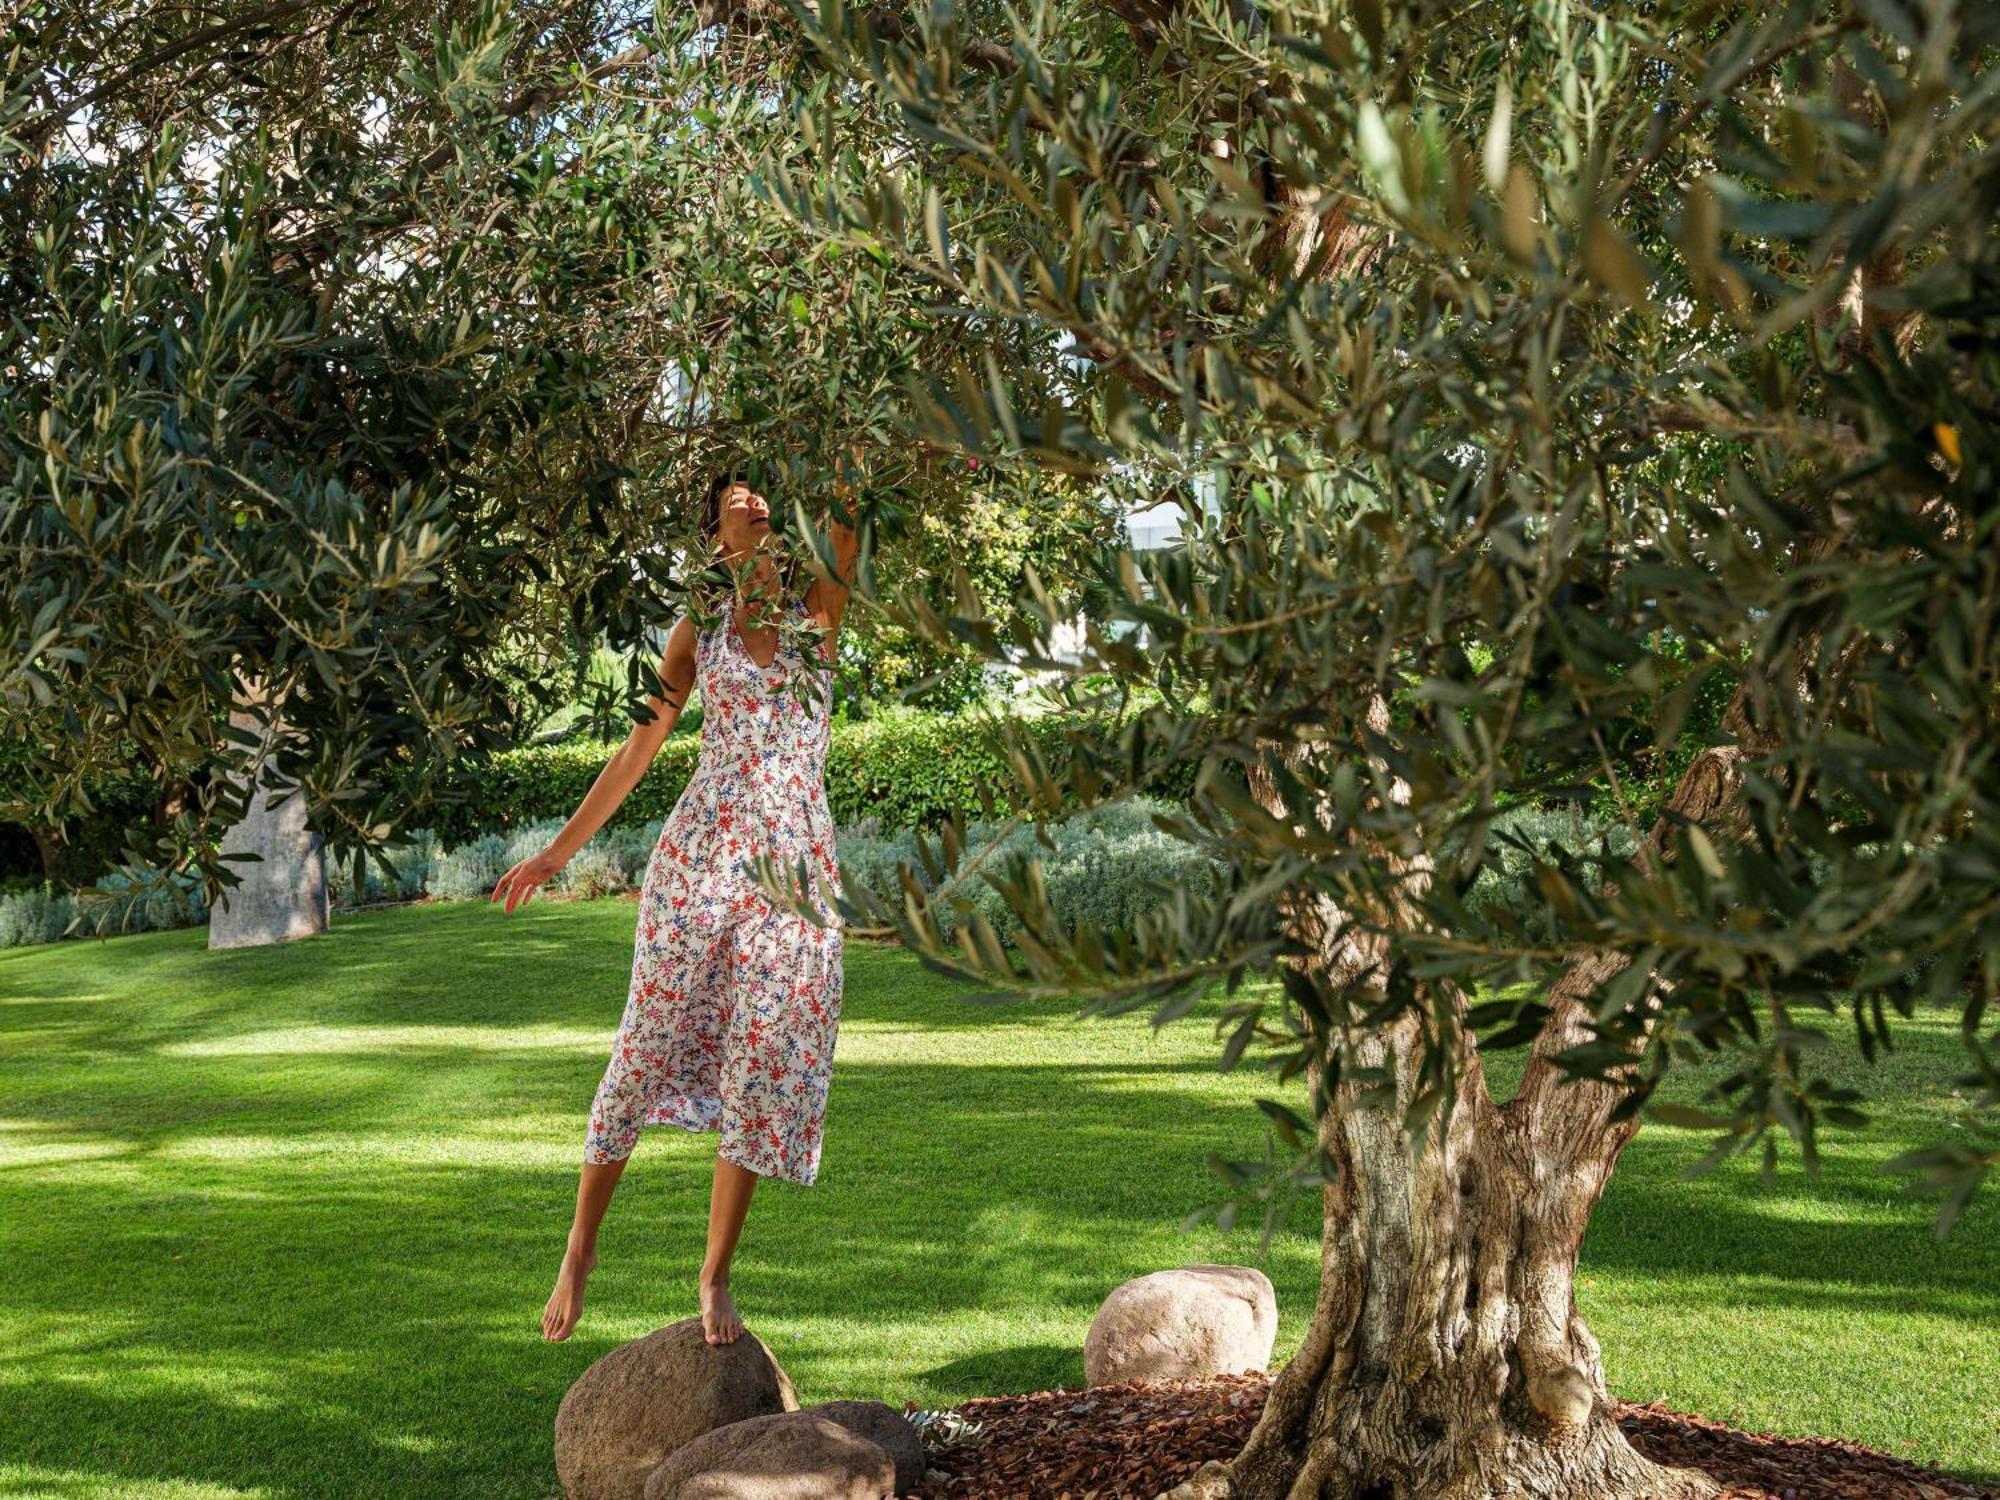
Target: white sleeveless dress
(734, 1005)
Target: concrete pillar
(283, 894)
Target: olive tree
(357, 371)
(1601, 405)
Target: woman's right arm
(620, 774)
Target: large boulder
(644, 1401)
(798, 1455)
(888, 1429)
(1190, 1323)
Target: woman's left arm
(826, 598)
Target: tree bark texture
(1446, 1359)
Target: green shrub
(113, 905)
(594, 871)
(871, 854)
(36, 915)
(413, 864)
(614, 860)
(628, 846)
(902, 767)
(1506, 886)
(1108, 866)
(157, 908)
(597, 869)
(467, 873)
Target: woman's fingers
(518, 886)
(512, 888)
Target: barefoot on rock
(565, 1305)
(719, 1323)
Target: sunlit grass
(279, 1222)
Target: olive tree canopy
(1602, 403)
(360, 366)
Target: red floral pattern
(734, 1005)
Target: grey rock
(888, 1429)
(794, 1456)
(644, 1401)
(282, 894)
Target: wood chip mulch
(1133, 1442)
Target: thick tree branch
(980, 53)
(37, 130)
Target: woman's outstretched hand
(841, 513)
(518, 886)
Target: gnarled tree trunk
(1446, 1359)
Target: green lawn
(280, 1222)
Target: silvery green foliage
(945, 1429)
(633, 845)
(1577, 841)
(1106, 866)
(593, 871)
(36, 915)
(1526, 377)
(872, 857)
(529, 839)
(614, 860)
(412, 859)
(123, 902)
(150, 901)
(1109, 865)
(468, 872)
(623, 848)
(142, 901)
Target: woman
(730, 1018)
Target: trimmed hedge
(903, 768)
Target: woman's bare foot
(565, 1305)
(719, 1323)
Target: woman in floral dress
(734, 1003)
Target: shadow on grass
(316, 1271)
(309, 1297)
(1025, 1367)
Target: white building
(1146, 530)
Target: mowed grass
(280, 1222)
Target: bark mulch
(1133, 1442)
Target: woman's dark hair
(711, 522)
(711, 505)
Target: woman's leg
(678, 976)
(728, 1202)
(593, 1195)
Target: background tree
(1560, 371)
(1564, 371)
(360, 365)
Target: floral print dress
(730, 1020)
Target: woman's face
(745, 521)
